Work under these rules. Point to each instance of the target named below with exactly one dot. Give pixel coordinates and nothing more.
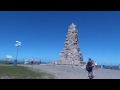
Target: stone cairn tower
(71, 50)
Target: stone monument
(71, 50)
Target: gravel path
(67, 72)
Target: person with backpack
(89, 68)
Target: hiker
(96, 65)
(40, 61)
(32, 61)
(72, 63)
(89, 68)
(111, 67)
(103, 66)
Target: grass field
(19, 72)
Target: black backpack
(88, 68)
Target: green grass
(19, 72)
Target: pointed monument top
(73, 25)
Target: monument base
(68, 62)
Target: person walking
(96, 65)
(72, 63)
(40, 61)
(89, 68)
(32, 61)
(111, 67)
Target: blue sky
(42, 34)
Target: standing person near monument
(96, 65)
(111, 67)
(32, 60)
(89, 68)
(72, 63)
(40, 61)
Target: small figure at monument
(72, 63)
(96, 65)
(111, 67)
(32, 59)
(40, 61)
